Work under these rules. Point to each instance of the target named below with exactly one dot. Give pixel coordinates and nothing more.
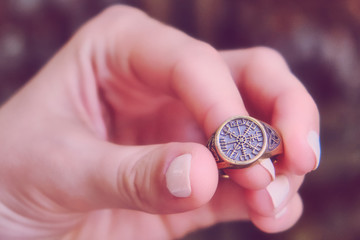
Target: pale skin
(85, 144)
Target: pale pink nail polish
(281, 213)
(269, 167)
(314, 142)
(278, 190)
(178, 176)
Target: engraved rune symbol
(273, 138)
(241, 139)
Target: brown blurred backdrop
(319, 39)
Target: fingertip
(298, 156)
(297, 118)
(162, 179)
(204, 175)
(254, 178)
(282, 220)
(191, 177)
(272, 199)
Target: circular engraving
(241, 140)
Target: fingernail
(278, 190)
(269, 166)
(281, 213)
(314, 142)
(178, 176)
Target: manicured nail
(278, 190)
(281, 213)
(178, 176)
(269, 166)
(314, 142)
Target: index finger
(167, 60)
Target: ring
(241, 141)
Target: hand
(107, 140)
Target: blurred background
(319, 39)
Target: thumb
(165, 178)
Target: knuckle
(303, 97)
(136, 185)
(267, 53)
(204, 47)
(107, 26)
(264, 62)
(131, 187)
(266, 59)
(117, 10)
(195, 55)
(199, 49)
(299, 98)
(310, 102)
(112, 18)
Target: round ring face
(241, 140)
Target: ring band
(241, 141)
